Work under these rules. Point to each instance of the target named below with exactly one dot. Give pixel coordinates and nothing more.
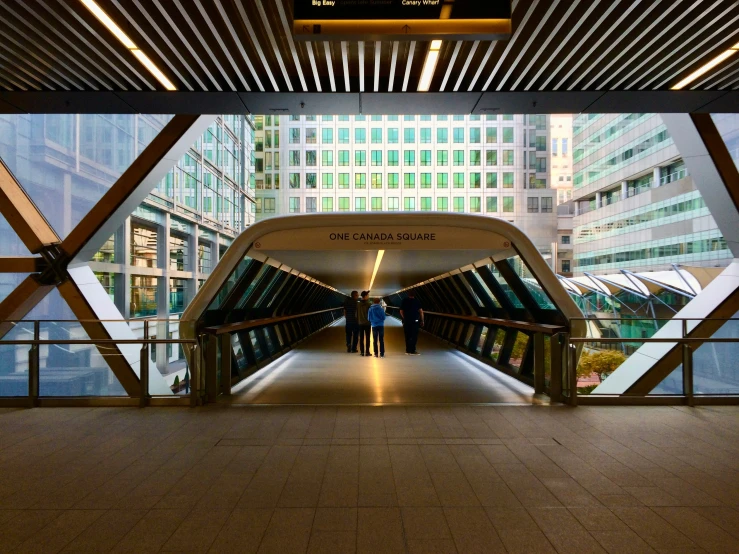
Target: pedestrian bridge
(272, 318)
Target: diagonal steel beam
(23, 215)
(22, 264)
(21, 301)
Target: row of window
(409, 158)
(470, 117)
(648, 253)
(474, 180)
(144, 250)
(393, 135)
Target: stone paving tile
(370, 479)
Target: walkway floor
(517, 479)
(320, 371)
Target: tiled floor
(320, 371)
(519, 479)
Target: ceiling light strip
(429, 66)
(716, 77)
(378, 51)
(111, 25)
(705, 68)
(380, 254)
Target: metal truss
(49, 265)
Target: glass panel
(75, 369)
(498, 344)
(9, 281)
(255, 345)
(519, 350)
(537, 292)
(485, 288)
(481, 341)
(14, 361)
(715, 368)
(728, 127)
(598, 361)
(506, 287)
(67, 162)
(672, 384)
(11, 245)
(229, 284)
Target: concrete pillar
(162, 328)
(123, 257)
(624, 189)
(598, 199)
(657, 177)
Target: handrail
(253, 323)
(100, 341)
(678, 340)
(535, 327)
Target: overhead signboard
(402, 19)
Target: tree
(601, 362)
(176, 384)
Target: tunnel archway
(486, 288)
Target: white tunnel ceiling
(349, 270)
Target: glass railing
(680, 174)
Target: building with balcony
(560, 131)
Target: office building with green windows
(637, 207)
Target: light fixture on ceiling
(380, 254)
(111, 25)
(708, 66)
(429, 65)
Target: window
(491, 157)
(409, 157)
(491, 180)
(409, 204)
(359, 118)
(458, 135)
(554, 146)
(507, 117)
(507, 180)
(458, 180)
(343, 118)
(294, 158)
(409, 180)
(327, 180)
(343, 136)
(426, 135)
(310, 157)
(459, 203)
(179, 255)
(310, 205)
(442, 157)
(424, 118)
(343, 180)
(491, 204)
(426, 204)
(376, 180)
(459, 157)
(565, 266)
(532, 205)
(507, 135)
(442, 135)
(360, 136)
(442, 180)
(325, 118)
(474, 157)
(360, 180)
(344, 204)
(310, 136)
(392, 157)
(327, 136)
(409, 136)
(392, 136)
(392, 180)
(376, 136)
(546, 205)
(541, 165)
(327, 204)
(474, 180)
(425, 180)
(442, 118)
(343, 157)
(269, 205)
(541, 144)
(425, 157)
(143, 296)
(292, 118)
(392, 204)
(311, 180)
(565, 239)
(294, 204)
(507, 157)
(294, 135)
(442, 204)
(475, 135)
(564, 147)
(392, 118)
(310, 117)
(360, 157)
(475, 204)
(458, 118)
(360, 204)
(294, 180)
(491, 135)
(327, 158)
(376, 204)
(508, 204)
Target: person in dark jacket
(376, 316)
(412, 316)
(352, 324)
(364, 325)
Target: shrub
(601, 362)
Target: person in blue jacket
(376, 316)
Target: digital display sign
(402, 19)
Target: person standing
(363, 307)
(376, 316)
(352, 324)
(412, 315)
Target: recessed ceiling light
(113, 27)
(429, 65)
(705, 68)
